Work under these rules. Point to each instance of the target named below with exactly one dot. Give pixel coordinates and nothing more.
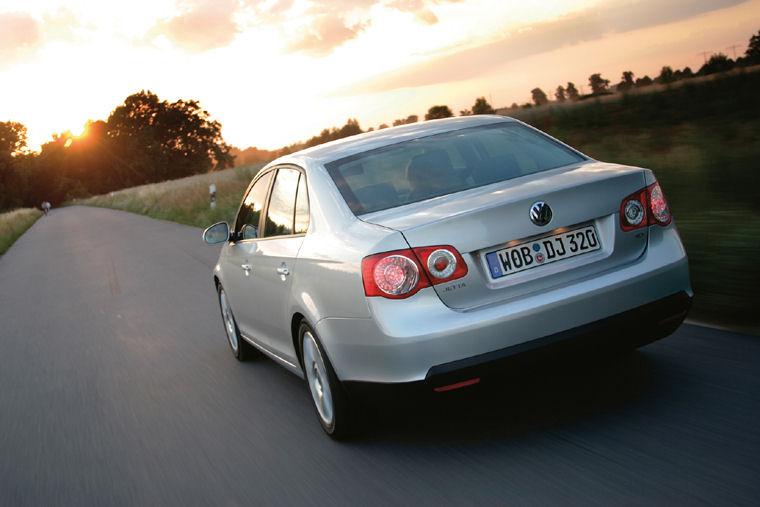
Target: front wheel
(327, 396)
(241, 349)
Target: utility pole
(704, 55)
(733, 48)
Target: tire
(327, 395)
(241, 349)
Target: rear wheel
(327, 395)
(241, 349)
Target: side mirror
(217, 233)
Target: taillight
(645, 207)
(442, 263)
(401, 273)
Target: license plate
(544, 250)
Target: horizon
(329, 61)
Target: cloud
(325, 24)
(22, 36)
(19, 32)
(329, 26)
(325, 33)
(60, 25)
(572, 29)
(203, 25)
(419, 8)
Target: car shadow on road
(509, 405)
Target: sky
(274, 72)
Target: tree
(12, 142)
(626, 81)
(559, 94)
(572, 92)
(465, 112)
(717, 63)
(12, 137)
(412, 118)
(666, 75)
(436, 112)
(161, 140)
(252, 155)
(598, 84)
(89, 163)
(351, 128)
(752, 55)
(482, 106)
(643, 81)
(539, 97)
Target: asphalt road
(117, 388)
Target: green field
(702, 141)
(15, 223)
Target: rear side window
(282, 203)
(302, 207)
(437, 165)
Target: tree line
(717, 63)
(144, 140)
(147, 140)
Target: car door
(275, 261)
(237, 265)
(264, 260)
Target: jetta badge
(540, 213)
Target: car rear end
(521, 246)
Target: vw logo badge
(540, 213)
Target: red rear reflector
(667, 320)
(451, 387)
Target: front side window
(247, 222)
(441, 164)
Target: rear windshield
(437, 165)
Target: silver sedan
(438, 254)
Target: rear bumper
(625, 331)
(405, 339)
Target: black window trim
(265, 208)
(261, 174)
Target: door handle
(246, 268)
(284, 271)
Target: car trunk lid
(485, 224)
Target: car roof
(348, 146)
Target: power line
(733, 48)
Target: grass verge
(185, 200)
(15, 223)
